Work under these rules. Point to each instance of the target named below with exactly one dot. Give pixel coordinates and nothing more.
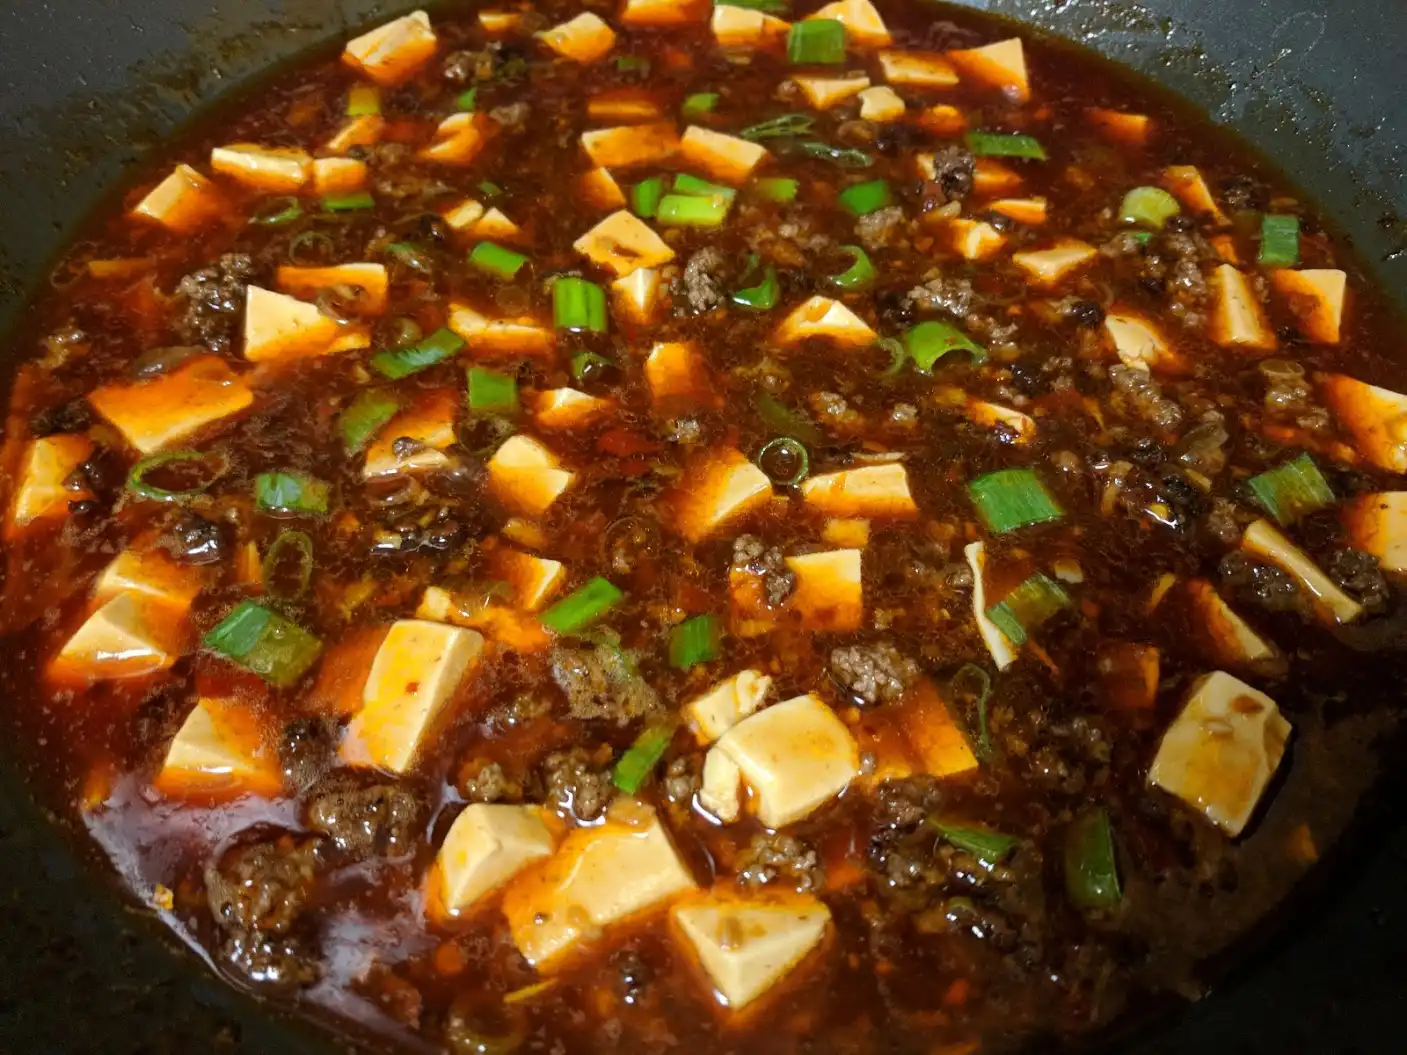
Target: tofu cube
(1315, 298)
(1375, 417)
(568, 408)
(153, 575)
(863, 24)
(535, 580)
(726, 704)
(1139, 343)
(1237, 318)
(600, 188)
(279, 327)
(826, 92)
(723, 157)
(486, 847)
(363, 131)
(1377, 524)
(795, 756)
(917, 69)
(990, 178)
(1001, 647)
(1132, 130)
(41, 494)
(932, 735)
(1001, 65)
(663, 12)
(826, 318)
(621, 243)
(745, 29)
(944, 119)
(829, 594)
(746, 947)
(1021, 428)
(629, 145)
(1050, 267)
(872, 491)
(394, 52)
(585, 39)
(637, 296)
(500, 338)
(415, 674)
(154, 413)
(677, 374)
(278, 170)
(974, 239)
(370, 281)
(219, 751)
(527, 477)
(1185, 182)
(125, 638)
(598, 877)
(459, 139)
(624, 105)
(429, 422)
(1229, 638)
(721, 786)
(1033, 212)
(718, 489)
(339, 176)
(1264, 541)
(183, 202)
(847, 532)
(1221, 751)
(882, 105)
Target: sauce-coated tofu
(152, 414)
(219, 751)
(527, 477)
(870, 491)
(716, 490)
(727, 703)
(486, 847)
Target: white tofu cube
(120, 640)
(829, 593)
(1266, 542)
(486, 847)
(871, 491)
(219, 750)
(154, 575)
(1221, 751)
(716, 490)
(827, 318)
(721, 786)
(1377, 524)
(727, 703)
(527, 477)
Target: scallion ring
(860, 274)
(898, 356)
(137, 478)
(277, 212)
(289, 544)
(784, 460)
(310, 247)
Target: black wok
(87, 87)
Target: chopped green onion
(816, 40)
(492, 392)
(645, 197)
(138, 484)
(467, 102)
(489, 189)
(1279, 240)
(496, 260)
(295, 543)
(1293, 490)
(582, 607)
(694, 641)
(1002, 145)
(845, 157)
(898, 356)
(353, 202)
(277, 212)
(795, 461)
(764, 295)
(363, 100)
(930, 341)
(578, 305)
(402, 362)
(989, 846)
(586, 365)
(264, 642)
(771, 7)
(1148, 206)
(787, 422)
(684, 210)
(632, 64)
(308, 247)
(969, 672)
(411, 255)
(687, 184)
(777, 189)
(1091, 866)
(1028, 606)
(290, 493)
(778, 127)
(640, 759)
(1012, 498)
(366, 416)
(698, 104)
(1142, 237)
(861, 199)
(860, 274)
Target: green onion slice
(277, 212)
(308, 247)
(1279, 240)
(291, 493)
(930, 341)
(639, 761)
(353, 202)
(265, 643)
(1293, 490)
(578, 305)
(694, 641)
(295, 544)
(489, 189)
(138, 484)
(1091, 865)
(492, 392)
(898, 356)
(632, 64)
(467, 102)
(779, 127)
(797, 463)
(1003, 145)
(991, 847)
(496, 260)
(1009, 499)
(816, 41)
(402, 362)
(1028, 606)
(586, 364)
(686, 210)
(764, 295)
(366, 416)
(363, 100)
(770, 7)
(1149, 207)
(698, 104)
(787, 422)
(582, 607)
(684, 183)
(845, 157)
(413, 256)
(645, 197)
(861, 199)
(861, 273)
(972, 681)
(777, 189)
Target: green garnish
(402, 362)
(930, 341)
(291, 493)
(1293, 490)
(1091, 865)
(585, 364)
(770, 7)
(1009, 499)
(764, 295)
(687, 184)
(787, 422)
(860, 274)
(367, 415)
(496, 260)
(578, 305)
(364, 100)
(632, 64)
(694, 641)
(1004, 145)
(298, 544)
(776, 189)
(639, 761)
(277, 212)
(698, 104)
(1028, 606)
(845, 157)
(777, 127)
(819, 41)
(967, 672)
(492, 392)
(582, 607)
(645, 197)
(861, 199)
(898, 356)
(686, 210)
(489, 189)
(1149, 207)
(265, 643)
(789, 448)
(991, 847)
(467, 102)
(354, 202)
(138, 484)
(1279, 240)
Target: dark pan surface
(88, 86)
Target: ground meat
(461, 67)
(578, 783)
(703, 280)
(1203, 446)
(486, 782)
(752, 556)
(194, 540)
(513, 116)
(878, 229)
(214, 300)
(954, 170)
(382, 820)
(873, 673)
(633, 973)
(1286, 390)
(1221, 522)
(1263, 584)
(955, 296)
(682, 778)
(73, 416)
(1360, 576)
(903, 804)
(601, 685)
(306, 750)
(777, 859)
(1244, 192)
(1138, 388)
